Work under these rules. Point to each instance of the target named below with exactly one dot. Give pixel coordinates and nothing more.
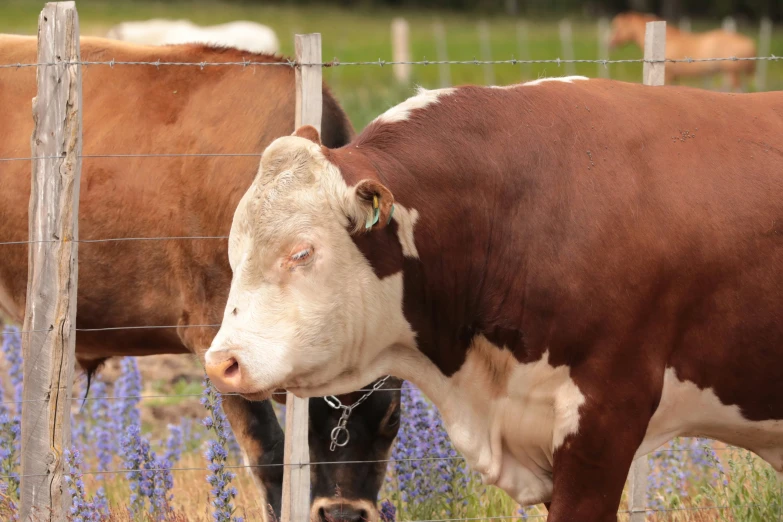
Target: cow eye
(300, 256)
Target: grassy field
(358, 35)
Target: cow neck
(458, 286)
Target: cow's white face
(305, 308)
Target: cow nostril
(232, 369)
(322, 515)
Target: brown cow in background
(630, 28)
(185, 282)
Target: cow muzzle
(224, 371)
(341, 510)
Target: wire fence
(383, 63)
(294, 64)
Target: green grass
(363, 35)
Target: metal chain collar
(340, 434)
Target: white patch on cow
(507, 431)
(406, 221)
(506, 87)
(564, 79)
(422, 99)
(685, 410)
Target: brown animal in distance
(630, 28)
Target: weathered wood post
(765, 41)
(567, 46)
(50, 313)
(604, 33)
(401, 51)
(442, 54)
(653, 74)
(654, 51)
(296, 456)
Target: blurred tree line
(747, 10)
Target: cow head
(348, 489)
(306, 311)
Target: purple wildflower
(388, 512)
(12, 348)
(136, 453)
(82, 508)
(124, 412)
(10, 433)
(427, 467)
(216, 453)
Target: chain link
(341, 430)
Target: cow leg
(262, 440)
(591, 466)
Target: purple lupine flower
(12, 348)
(217, 455)
(100, 424)
(124, 412)
(136, 456)
(388, 512)
(426, 467)
(7, 505)
(174, 444)
(82, 508)
(10, 433)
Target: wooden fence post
(603, 46)
(765, 40)
(567, 46)
(729, 24)
(50, 313)
(441, 49)
(654, 49)
(486, 52)
(653, 74)
(637, 494)
(401, 50)
(296, 478)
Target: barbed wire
(272, 465)
(171, 396)
(109, 240)
(381, 63)
(148, 155)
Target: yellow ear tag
(376, 214)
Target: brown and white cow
(574, 271)
(185, 282)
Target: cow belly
(686, 410)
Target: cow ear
(374, 205)
(308, 132)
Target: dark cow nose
(342, 513)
